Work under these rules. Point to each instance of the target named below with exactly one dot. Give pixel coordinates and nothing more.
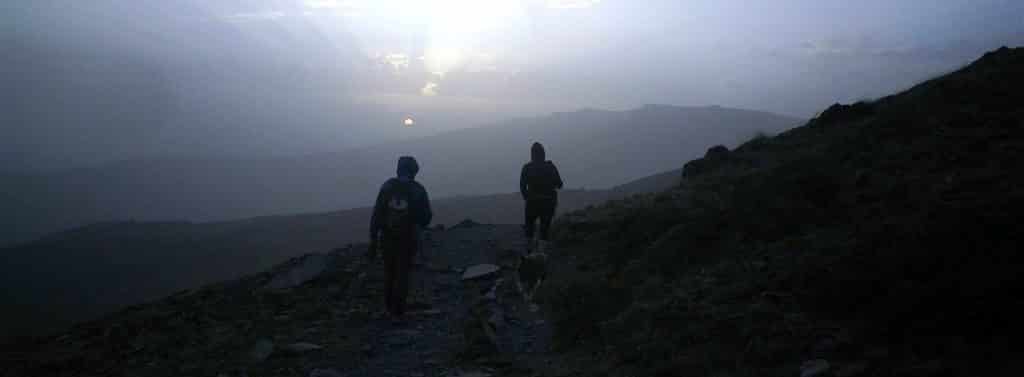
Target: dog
(531, 273)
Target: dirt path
(433, 341)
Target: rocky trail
(320, 315)
(460, 325)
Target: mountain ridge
(203, 190)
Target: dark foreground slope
(317, 315)
(882, 238)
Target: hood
(407, 167)
(537, 153)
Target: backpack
(542, 177)
(398, 215)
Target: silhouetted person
(401, 212)
(538, 182)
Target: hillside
(880, 239)
(88, 271)
(594, 149)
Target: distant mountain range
(593, 149)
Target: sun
(408, 122)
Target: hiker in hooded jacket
(399, 216)
(538, 183)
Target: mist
(115, 80)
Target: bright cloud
(571, 4)
(429, 90)
(397, 61)
(255, 16)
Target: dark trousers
(398, 258)
(543, 209)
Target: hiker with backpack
(538, 183)
(399, 216)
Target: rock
(329, 372)
(467, 223)
(814, 368)
(838, 113)
(716, 152)
(480, 270)
(301, 348)
(297, 271)
(261, 350)
(474, 374)
(852, 370)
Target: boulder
(839, 113)
(814, 368)
(717, 152)
(300, 348)
(261, 350)
(467, 223)
(297, 271)
(480, 271)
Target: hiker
(538, 182)
(399, 216)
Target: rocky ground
(318, 315)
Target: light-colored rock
(301, 347)
(261, 350)
(298, 271)
(428, 312)
(328, 372)
(474, 374)
(814, 368)
(480, 270)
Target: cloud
(346, 7)
(255, 16)
(397, 61)
(570, 4)
(429, 90)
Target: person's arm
(523, 189)
(378, 208)
(428, 214)
(558, 177)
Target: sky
(105, 80)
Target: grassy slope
(881, 237)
